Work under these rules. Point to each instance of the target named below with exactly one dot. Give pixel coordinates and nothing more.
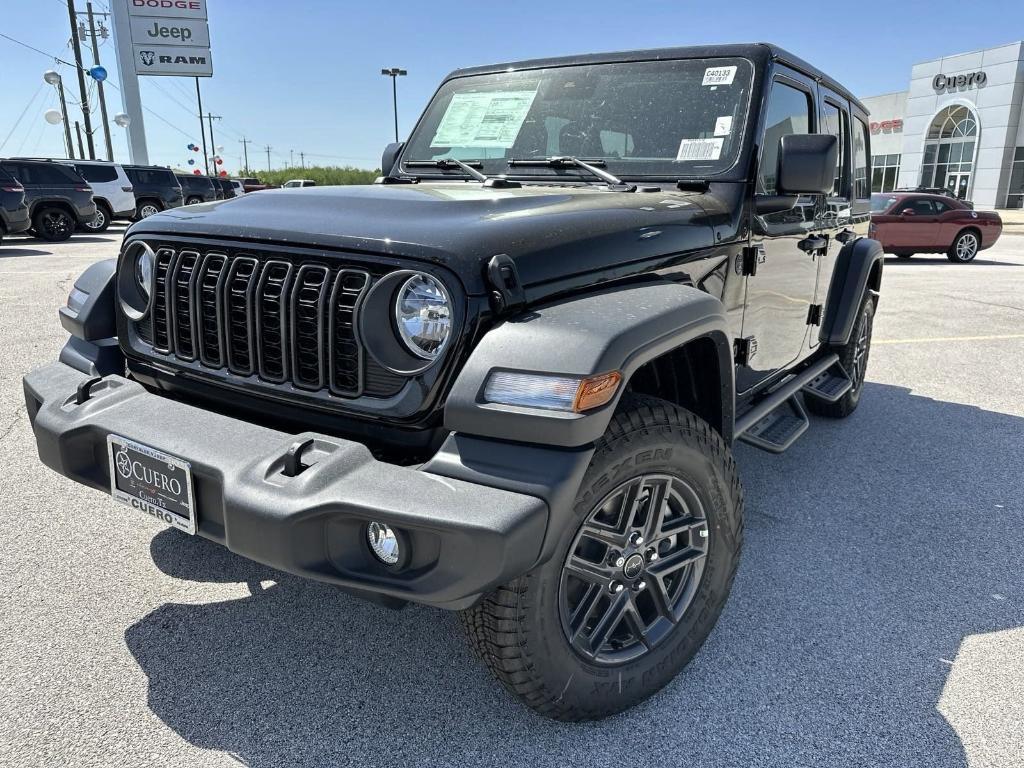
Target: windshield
(881, 203)
(647, 118)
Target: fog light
(383, 543)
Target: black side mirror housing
(807, 164)
(390, 156)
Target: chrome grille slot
(209, 314)
(307, 327)
(272, 319)
(182, 285)
(160, 331)
(239, 290)
(345, 353)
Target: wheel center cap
(633, 566)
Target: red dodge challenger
(908, 223)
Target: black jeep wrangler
(506, 378)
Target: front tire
(637, 580)
(52, 224)
(853, 356)
(964, 248)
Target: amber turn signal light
(596, 391)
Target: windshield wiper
(561, 161)
(469, 168)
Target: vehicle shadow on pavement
(874, 547)
(7, 252)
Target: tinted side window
(919, 207)
(941, 207)
(97, 173)
(861, 183)
(55, 174)
(789, 112)
(837, 124)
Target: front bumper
(465, 537)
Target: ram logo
(147, 57)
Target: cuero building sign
(944, 82)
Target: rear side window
(836, 123)
(50, 174)
(920, 207)
(861, 178)
(99, 174)
(789, 112)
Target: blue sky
(305, 76)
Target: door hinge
(504, 279)
(749, 258)
(814, 314)
(744, 350)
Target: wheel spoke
(680, 525)
(584, 611)
(603, 535)
(673, 562)
(632, 616)
(609, 621)
(590, 572)
(659, 595)
(656, 506)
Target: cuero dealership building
(960, 126)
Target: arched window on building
(949, 150)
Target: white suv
(110, 187)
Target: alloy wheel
(862, 348)
(967, 246)
(56, 224)
(633, 569)
(98, 221)
(148, 210)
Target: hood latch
(504, 279)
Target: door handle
(813, 244)
(845, 236)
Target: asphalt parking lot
(877, 617)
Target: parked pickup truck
(505, 379)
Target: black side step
(791, 414)
(780, 428)
(830, 385)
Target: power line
(22, 115)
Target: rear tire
(100, 221)
(193, 201)
(145, 209)
(653, 455)
(964, 248)
(53, 224)
(853, 356)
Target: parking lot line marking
(994, 337)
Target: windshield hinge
(744, 350)
(814, 314)
(751, 256)
(504, 279)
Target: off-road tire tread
(494, 625)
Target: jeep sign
(172, 60)
(950, 82)
(159, 31)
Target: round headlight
(144, 271)
(423, 313)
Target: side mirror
(807, 164)
(907, 212)
(390, 156)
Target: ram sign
(170, 37)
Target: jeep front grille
(263, 318)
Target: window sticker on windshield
(719, 75)
(723, 125)
(490, 119)
(700, 149)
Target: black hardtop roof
(759, 53)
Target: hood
(552, 232)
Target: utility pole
(302, 157)
(268, 157)
(213, 144)
(245, 151)
(202, 129)
(53, 77)
(99, 84)
(291, 158)
(81, 78)
(81, 149)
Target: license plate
(152, 482)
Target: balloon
(195, 148)
(53, 116)
(122, 119)
(223, 173)
(191, 161)
(219, 161)
(190, 147)
(197, 172)
(98, 73)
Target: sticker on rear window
(700, 149)
(490, 119)
(719, 75)
(723, 125)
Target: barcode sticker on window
(719, 75)
(700, 149)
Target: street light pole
(394, 73)
(53, 78)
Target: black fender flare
(90, 317)
(616, 329)
(850, 279)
